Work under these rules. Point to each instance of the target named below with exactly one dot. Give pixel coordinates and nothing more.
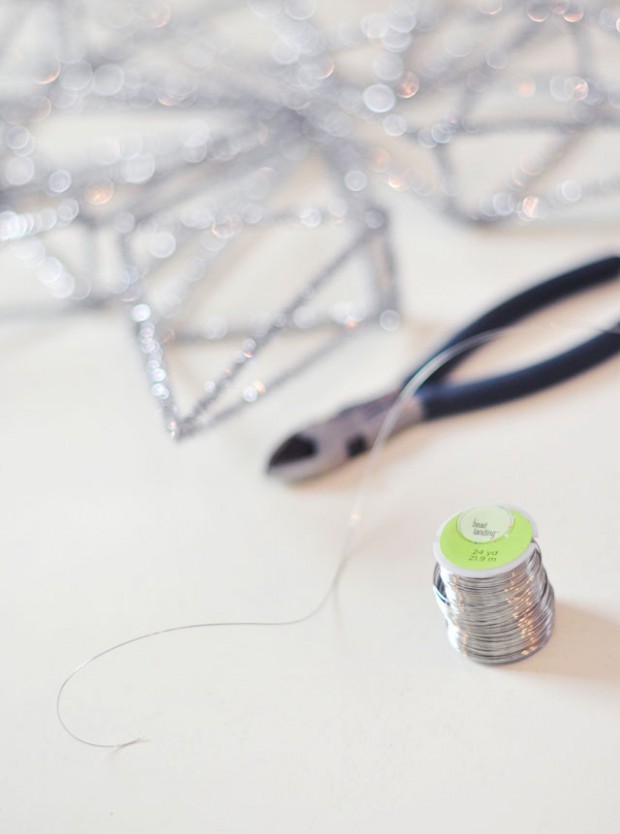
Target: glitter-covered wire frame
(433, 78)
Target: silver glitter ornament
(191, 140)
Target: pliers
(326, 445)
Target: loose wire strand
(346, 550)
(345, 553)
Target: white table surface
(363, 719)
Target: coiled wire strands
(491, 585)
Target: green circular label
(484, 538)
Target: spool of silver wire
(491, 585)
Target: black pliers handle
(441, 399)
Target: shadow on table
(584, 645)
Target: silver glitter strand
(174, 201)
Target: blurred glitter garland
(196, 139)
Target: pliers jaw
(294, 459)
(324, 446)
(309, 453)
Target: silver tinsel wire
(203, 127)
(500, 618)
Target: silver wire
(531, 578)
(500, 618)
(345, 553)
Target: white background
(363, 719)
